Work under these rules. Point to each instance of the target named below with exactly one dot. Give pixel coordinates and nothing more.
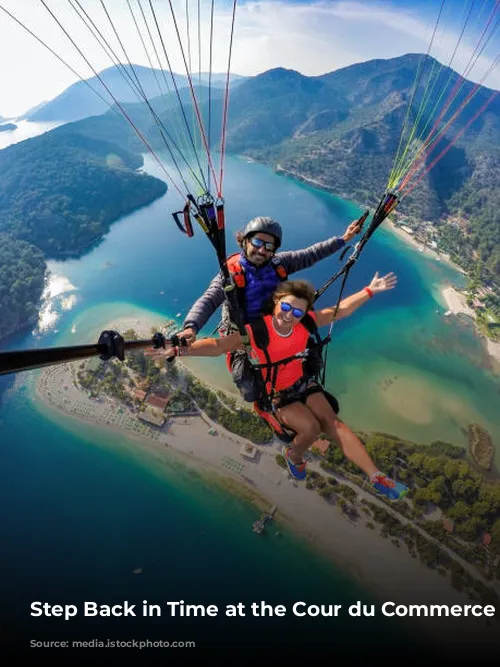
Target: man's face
(260, 255)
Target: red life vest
(238, 275)
(279, 347)
(236, 270)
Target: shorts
(299, 393)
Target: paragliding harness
(314, 368)
(252, 378)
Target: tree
(465, 487)
(459, 511)
(495, 536)
(382, 450)
(325, 492)
(471, 528)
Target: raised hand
(383, 284)
(353, 229)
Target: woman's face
(290, 310)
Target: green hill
(59, 194)
(62, 190)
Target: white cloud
(313, 38)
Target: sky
(311, 37)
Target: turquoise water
(84, 510)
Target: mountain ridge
(78, 101)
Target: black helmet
(266, 226)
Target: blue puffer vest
(260, 283)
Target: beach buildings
(152, 416)
(139, 394)
(249, 451)
(158, 402)
(154, 411)
(407, 229)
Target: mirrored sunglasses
(296, 312)
(259, 243)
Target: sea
(82, 509)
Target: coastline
(455, 301)
(450, 294)
(420, 247)
(457, 305)
(354, 547)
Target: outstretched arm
(297, 260)
(207, 347)
(203, 309)
(351, 303)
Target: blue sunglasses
(296, 312)
(258, 243)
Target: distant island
(59, 194)
(481, 446)
(8, 127)
(450, 520)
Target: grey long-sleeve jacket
(292, 261)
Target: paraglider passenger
(300, 402)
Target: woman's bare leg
(300, 418)
(351, 445)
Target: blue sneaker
(389, 488)
(297, 470)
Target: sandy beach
(457, 305)
(386, 569)
(456, 302)
(420, 247)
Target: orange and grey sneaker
(388, 487)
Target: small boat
(139, 570)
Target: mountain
(125, 84)
(280, 104)
(32, 111)
(340, 131)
